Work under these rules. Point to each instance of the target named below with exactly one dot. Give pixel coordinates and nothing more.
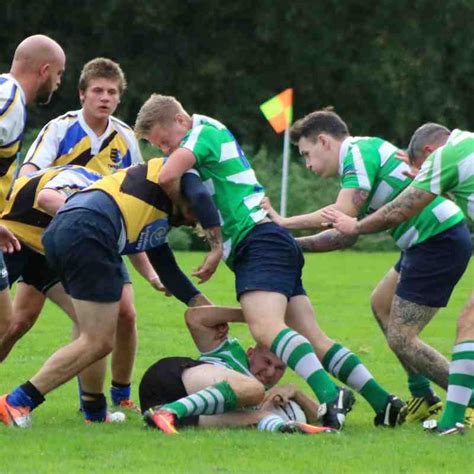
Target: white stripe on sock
(336, 357)
(340, 363)
(462, 366)
(358, 377)
(283, 341)
(308, 365)
(463, 347)
(459, 394)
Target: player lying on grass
(435, 245)
(209, 391)
(124, 213)
(265, 258)
(35, 198)
(449, 168)
(91, 137)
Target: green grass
(339, 285)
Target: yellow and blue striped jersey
(12, 126)
(69, 140)
(24, 217)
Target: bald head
(425, 140)
(38, 64)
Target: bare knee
(465, 324)
(397, 340)
(98, 345)
(127, 317)
(22, 322)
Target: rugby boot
(469, 417)
(128, 405)
(333, 414)
(305, 428)
(422, 408)
(431, 426)
(394, 413)
(162, 419)
(14, 416)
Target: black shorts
(81, 245)
(269, 259)
(32, 267)
(429, 271)
(162, 383)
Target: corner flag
(279, 110)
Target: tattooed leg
(382, 297)
(465, 324)
(407, 320)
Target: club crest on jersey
(115, 156)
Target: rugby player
(265, 258)
(180, 391)
(94, 138)
(449, 168)
(35, 73)
(123, 213)
(405, 300)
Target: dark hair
(320, 121)
(428, 133)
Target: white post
(284, 171)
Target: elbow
(165, 179)
(43, 200)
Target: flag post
(279, 112)
(284, 171)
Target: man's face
(101, 98)
(52, 73)
(168, 137)
(318, 155)
(265, 366)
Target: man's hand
(340, 221)
(8, 242)
(209, 266)
(403, 156)
(274, 216)
(279, 396)
(155, 282)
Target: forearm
(142, 265)
(326, 241)
(50, 200)
(175, 281)
(313, 220)
(409, 203)
(27, 168)
(211, 316)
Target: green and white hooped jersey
(450, 169)
(229, 354)
(229, 178)
(369, 163)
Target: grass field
(339, 285)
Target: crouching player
(208, 392)
(124, 213)
(33, 201)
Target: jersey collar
(343, 150)
(96, 141)
(22, 93)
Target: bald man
(34, 75)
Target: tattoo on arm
(359, 198)
(407, 204)
(326, 241)
(214, 237)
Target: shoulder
(124, 130)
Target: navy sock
(119, 392)
(95, 409)
(25, 395)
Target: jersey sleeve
(203, 141)
(134, 149)
(70, 181)
(44, 149)
(360, 168)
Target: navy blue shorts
(269, 259)
(429, 271)
(81, 245)
(3, 273)
(33, 268)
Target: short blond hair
(102, 68)
(158, 109)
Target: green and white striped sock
(461, 384)
(212, 400)
(271, 423)
(298, 354)
(347, 367)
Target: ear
(428, 149)
(44, 70)
(250, 352)
(81, 96)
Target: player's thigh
(28, 301)
(127, 309)
(202, 376)
(382, 296)
(57, 294)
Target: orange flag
(279, 110)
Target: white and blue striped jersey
(12, 126)
(69, 140)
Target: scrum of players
(83, 198)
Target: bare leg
(97, 322)
(465, 324)
(301, 317)
(123, 355)
(27, 306)
(407, 320)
